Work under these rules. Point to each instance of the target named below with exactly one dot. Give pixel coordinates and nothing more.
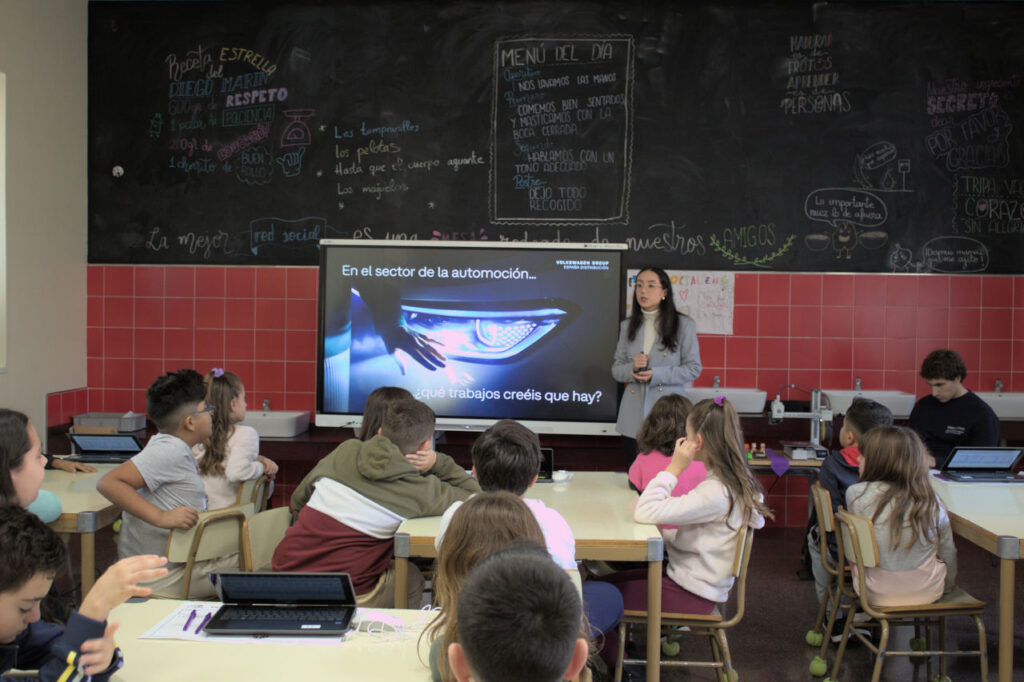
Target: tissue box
(129, 421)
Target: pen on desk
(189, 621)
(206, 619)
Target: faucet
(856, 384)
(266, 404)
(999, 385)
(718, 382)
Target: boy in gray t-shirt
(160, 489)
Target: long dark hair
(667, 323)
(14, 443)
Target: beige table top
(598, 508)
(361, 656)
(85, 510)
(984, 512)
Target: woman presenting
(656, 355)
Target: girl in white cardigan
(232, 453)
(917, 557)
(701, 551)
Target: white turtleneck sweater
(650, 333)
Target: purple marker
(206, 619)
(189, 621)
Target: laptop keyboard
(259, 613)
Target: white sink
(898, 402)
(1005, 405)
(745, 400)
(278, 423)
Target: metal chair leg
(883, 642)
(622, 652)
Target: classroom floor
(768, 644)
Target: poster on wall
(705, 295)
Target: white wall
(43, 53)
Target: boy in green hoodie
(352, 502)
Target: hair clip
(218, 372)
(720, 401)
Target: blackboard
(801, 136)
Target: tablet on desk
(975, 464)
(100, 448)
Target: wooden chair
(255, 490)
(712, 626)
(217, 534)
(858, 544)
(261, 534)
(831, 599)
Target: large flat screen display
(478, 332)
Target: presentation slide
(477, 333)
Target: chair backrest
(823, 508)
(858, 538)
(255, 491)
(218, 533)
(261, 534)
(740, 564)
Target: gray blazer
(672, 372)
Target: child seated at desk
(358, 496)
(485, 524)
(519, 619)
(507, 457)
(32, 555)
(231, 455)
(160, 489)
(21, 467)
(839, 471)
(917, 557)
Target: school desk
(597, 507)
(84, 511)
(362, 656)
(991, 515)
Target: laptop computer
(983, 464)
(283, 604)
(547, 465)
(104, 448)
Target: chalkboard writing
(796, 136)
(562, 129)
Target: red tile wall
(813, 330)
(259, 323)
(825, 330)
(62, 406)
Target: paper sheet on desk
(173, 627)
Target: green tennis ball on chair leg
(818, 666)
(918, 643)
(669, 648)
(813, 638)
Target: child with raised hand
(231, 455)
(917, 557)
(484, 524)
(32, 554)
(664, 425)
(701, 552)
